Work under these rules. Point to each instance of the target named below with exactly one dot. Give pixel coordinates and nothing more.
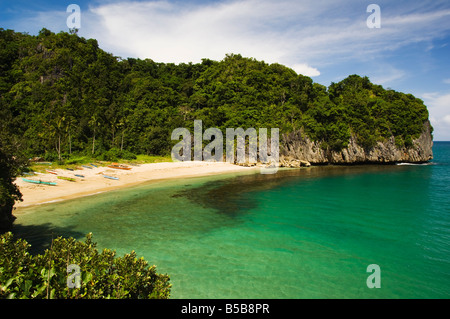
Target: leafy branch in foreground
(102, 275)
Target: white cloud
(446, 81)
(304, 35)
(296, 34)
(438, 101)
(439, 108)
(166, 32)
(32, 22)
(446, 119)
(305, 70)
(387, 74)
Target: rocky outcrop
(298, 146)
(287, 161)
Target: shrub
(51, 156)
(102, 275)
(115, 154)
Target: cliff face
(298, 146)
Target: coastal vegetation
(63, 97)
(101, 275)
(65, 100)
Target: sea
(363, 231)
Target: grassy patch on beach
(77, 161)
(144, 159)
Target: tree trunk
(93, 143)
(113, 144)
(121, 144)
(58, 146)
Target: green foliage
(369, 112)
(12, 163)
(115, 154)
(102, 274)
(65, 95)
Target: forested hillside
(61, 94)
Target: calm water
(308, 233)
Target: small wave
(414, 164)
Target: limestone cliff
(298, 146)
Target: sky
(408, 51)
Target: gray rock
(298, 146)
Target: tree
(105, 100)
(12, 162)
(94, 123)
(100, 275)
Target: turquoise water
(307, 233)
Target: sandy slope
(94, 182)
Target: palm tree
(94, 123)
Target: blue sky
(325, 39)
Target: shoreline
(93, 181)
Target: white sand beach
(94, 181)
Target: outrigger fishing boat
(28, 173)
(110, 177)
(38, 182)
(51, 172)
(117, 166)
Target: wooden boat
(51, 172)
(69, 169)
(93, 165)
(119, 167)
(86, 166)
(70, 179)
(78, 175)
(110, 177)
(38, 182)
